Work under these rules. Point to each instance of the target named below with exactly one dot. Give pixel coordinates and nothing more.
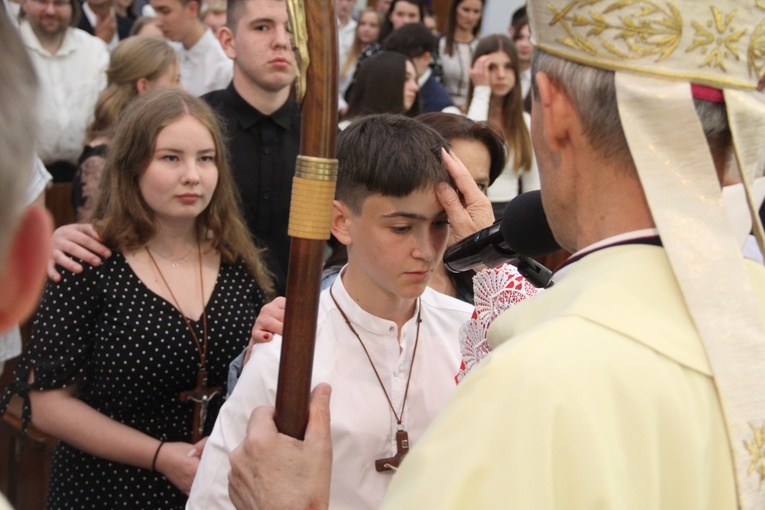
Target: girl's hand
(270, 322)
(479, 73)
(179, 463)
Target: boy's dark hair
(413, 40)
(388, 155)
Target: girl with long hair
(128, 360)
(399, 14)
(137, 64)
(495, 96)
(522, 40)
(386, 83)
(457, 46)
(367, 32)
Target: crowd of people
(156, 342)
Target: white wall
(497, 14)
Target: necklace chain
(399, 416)
(201, 347)
(175, 263)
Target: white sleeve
(39, 181)
(256, 387)
(479, 105)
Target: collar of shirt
(422, 79)
(68, 45)
(363, 320)
(198, 51)
(623, 238)
(248, 116)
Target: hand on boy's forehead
(420, 205)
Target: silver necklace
(175, 263)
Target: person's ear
(226, 40)
(193, 8)
(23, 271)
(342, 217)
(141, 85)
(557, 112)
(427, 57)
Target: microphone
(522, 233)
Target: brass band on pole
(320, 169)
(313, 190)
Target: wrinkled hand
(469, 213)
(479, 73)
(79, 240)
(105, 28)
(179, 463)
(275, 471)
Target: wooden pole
(318, 137)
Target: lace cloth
(496, 290)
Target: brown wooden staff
(310, 207)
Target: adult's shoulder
(91, 281)
(216, 99)
(86, 40)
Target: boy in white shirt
(385, 342)
(204, 65)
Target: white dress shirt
(70, 81)
(363, 426)
(345, 35)
(204, 66)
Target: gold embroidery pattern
(626, 29)
(718, 38)
(755, 55)
(757, 451)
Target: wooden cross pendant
(402, 448)
(201, 397)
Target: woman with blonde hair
(367, 32)
(137, 64)
(128, 360)
(495, 96)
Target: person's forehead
(403, 5)
(271, 9)
(421, 204)
(166, 3)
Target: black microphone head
(525, 228)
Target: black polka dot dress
(131, 355)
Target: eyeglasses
(58, 4)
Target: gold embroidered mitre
(657, 48)
(715, 43)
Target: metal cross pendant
(402, 448)
(201, 397)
